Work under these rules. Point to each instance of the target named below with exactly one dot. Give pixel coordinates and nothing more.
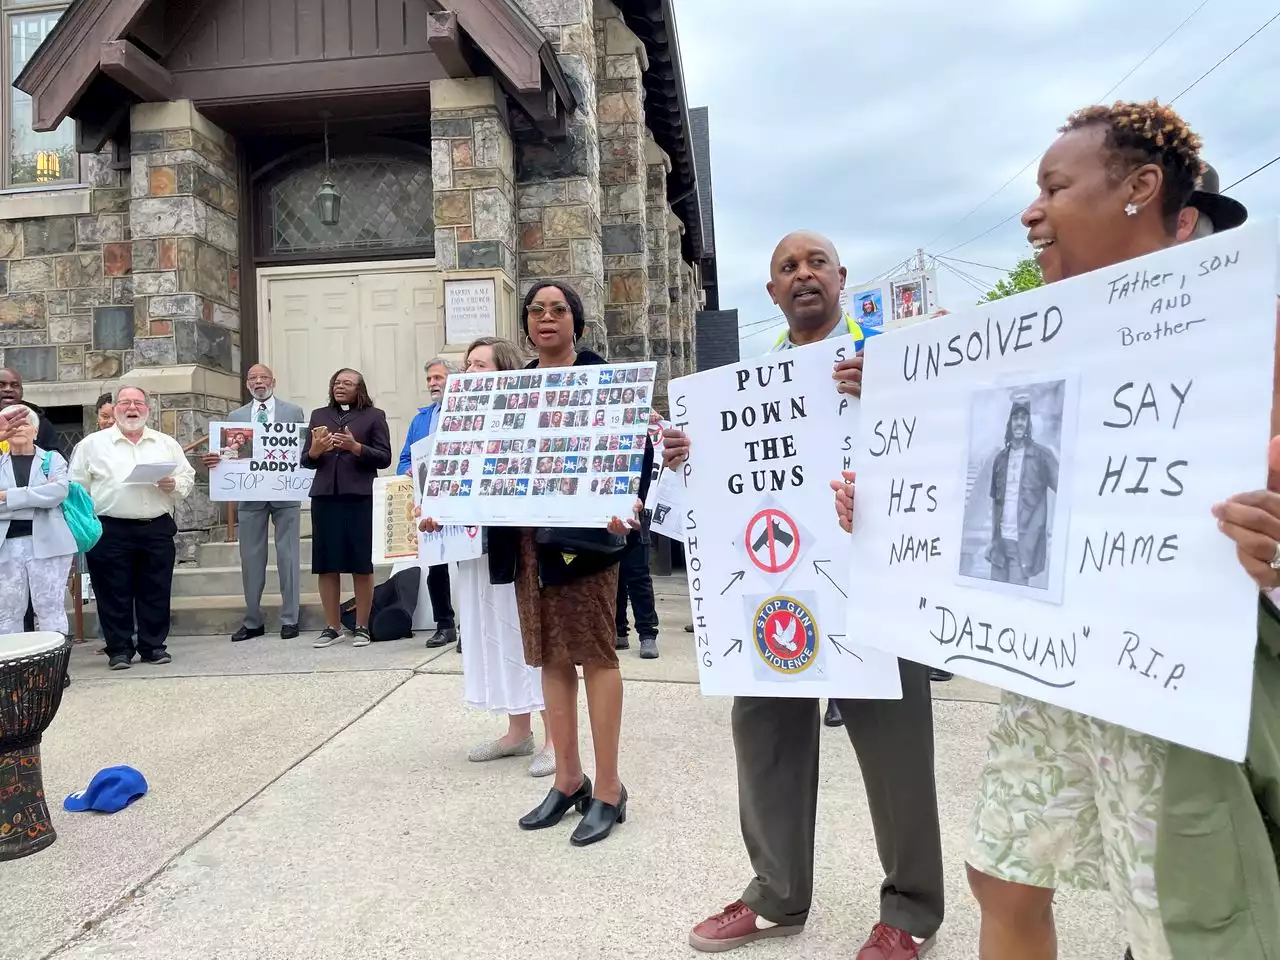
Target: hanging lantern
(329, 203)
(328, 199)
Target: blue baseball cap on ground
(110, 791)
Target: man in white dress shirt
(286, 515)
(132, 565)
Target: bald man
(286, 515)
(776, 739)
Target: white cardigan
(40, 501)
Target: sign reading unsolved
(1034, 486)
(766, 558)
(260, 461)
(450, 544)
(545, 448)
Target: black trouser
(776, 742)
(132, 572)
(634, 580)
(441, 601)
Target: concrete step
(226, 581)
(216, 555)
(221, 615)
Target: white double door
(385, 323)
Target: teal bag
(77, 510)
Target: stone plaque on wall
(470, 309)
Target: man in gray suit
(266, 407)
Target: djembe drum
(32, 667)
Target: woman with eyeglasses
(567, 608)
(349, 444)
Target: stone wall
(558, 180)
(657, 166)
(472, 173)
(624, 243)
(186, 276)
(66, 298)
(678, 320)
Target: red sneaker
(734, 926)
(890, 943)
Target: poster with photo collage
(548, 448)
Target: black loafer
(288, 631)
(939, 676)
(442, 637)
(247, 633)
(556, 804)
(598, 821)
(832, 717)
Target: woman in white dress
(495, 676)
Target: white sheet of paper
(546, 447)
(666, 489)
(151, 472)
(453, 543)
(766, 558)
(1149, 391)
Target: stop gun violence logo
(786, 635)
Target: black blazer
(342, 473)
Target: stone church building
(190, 186)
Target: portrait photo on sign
(236, 443)
(868, 308)
(908, 299)
(1020, 444)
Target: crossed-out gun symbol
(780, 534)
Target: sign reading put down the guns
(1035, 479)
(767, 560)
(260, 461)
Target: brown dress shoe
(734, 926)
(890, 943)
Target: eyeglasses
(346, 383)
(130, 403)
(558, 310)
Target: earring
(1131, 209)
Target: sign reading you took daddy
(767, 560)
(260, 461)
(1035, 479)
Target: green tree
(1024, 276)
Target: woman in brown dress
(567, 609)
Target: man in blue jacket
(424, 424)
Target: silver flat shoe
(543, 763)
(496, 750)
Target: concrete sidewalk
(319, 804)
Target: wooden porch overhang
(105, 55)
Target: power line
(1251, 173)
(985, 266)
(1229, 55)
(1000, 189)
(964, 277)
(1273, 19)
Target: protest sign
(766, 559)
(1034, 485)
(395, 528)
(452, 543)
(663, 499)
(260, 461)
(893, 303)
(547, 448)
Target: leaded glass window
(386, 204)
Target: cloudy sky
(883, 125)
